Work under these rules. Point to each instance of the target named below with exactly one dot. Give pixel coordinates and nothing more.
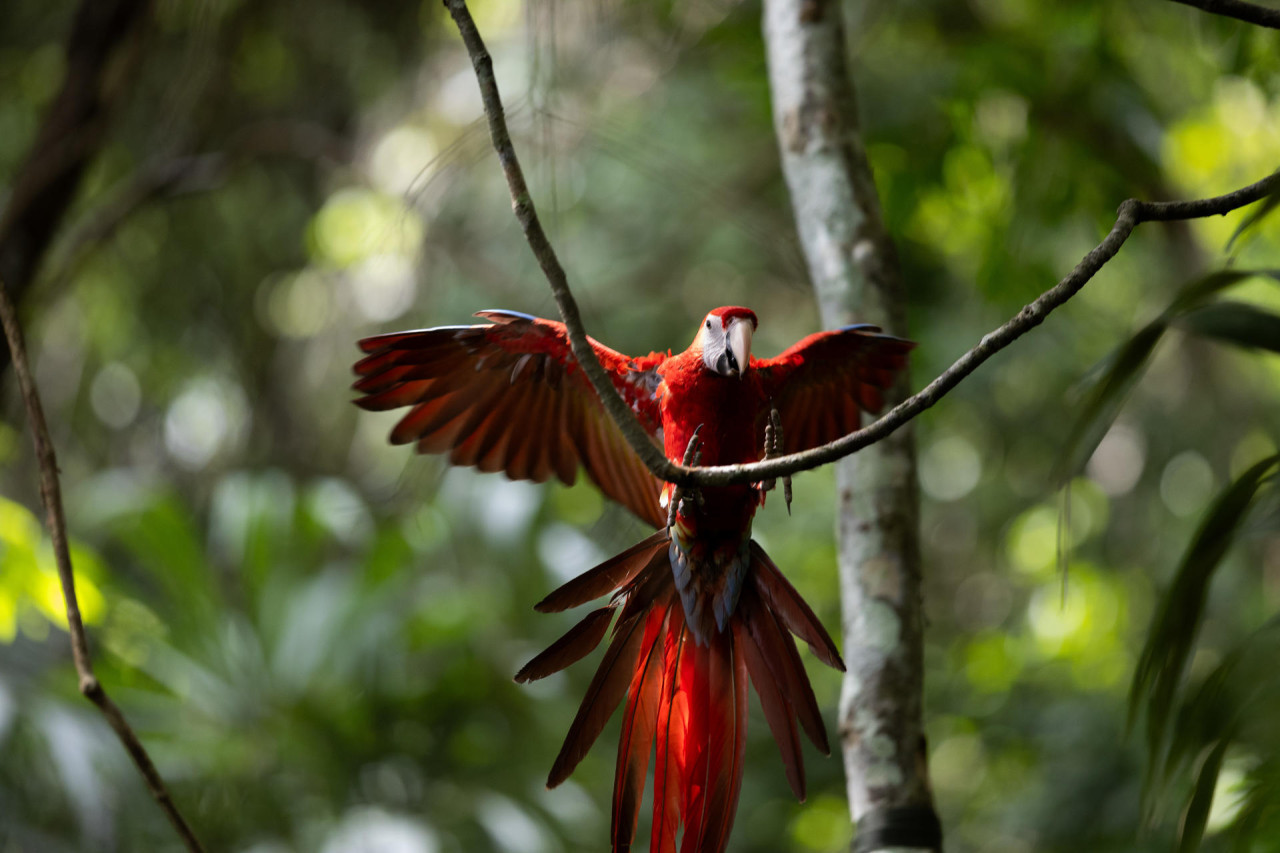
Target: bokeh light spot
(1186, 484)
(950, 468)
(1118, 461)
(357, 223)
(115, 395)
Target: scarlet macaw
(701, 608)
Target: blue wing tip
(502, 315)
(873, 329)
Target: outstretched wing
(821, 383)
(509, 396)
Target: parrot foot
(692, 458)
(772, 448)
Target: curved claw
(692, 458)
(772, 448)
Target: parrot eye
(708, 324)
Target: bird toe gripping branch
(772, 448)
(692, 458)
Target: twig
(522, 203)
(1249, 12)
(55, 520)
(1130, 214)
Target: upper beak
(739, 349)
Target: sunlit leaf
(1236, 323)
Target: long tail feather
(686, 694)
(800, 690)
(728, 679)
(781, 597)
(607, 576)
(704, 716)
(768, 674)
(603, 695)
(673, 718)
(577, 643)
(636, 739)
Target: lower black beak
(726, 364)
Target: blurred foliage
(315, 633)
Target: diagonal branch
(55, 520)
(522, 203)
(1250, 13)
(1129, 216)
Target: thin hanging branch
(522, 204)
(1130, 214)
(56, 522)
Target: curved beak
(738, 351)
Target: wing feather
(813, 381)
(509, 396)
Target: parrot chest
(725, 408)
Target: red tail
(687, 699)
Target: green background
(315, 632)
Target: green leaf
(1173, 632)
(1102, 403)
(1198, 291)
(1221, 706)
(1236, 323)
(1197, 813)
(1259, 805)
(1202, 798)
(1255, 216)
(1104, 400)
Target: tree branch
(522, 203)
(55, 520)
(1130, 214)
(1251, 13)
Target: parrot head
(725, 340)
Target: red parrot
(700, 608)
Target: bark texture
(856, 277)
